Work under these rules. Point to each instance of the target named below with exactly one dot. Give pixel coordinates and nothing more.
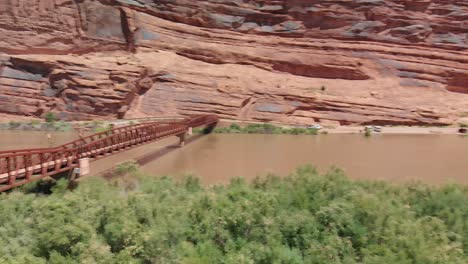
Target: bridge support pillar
(182, 139)
(190, 131)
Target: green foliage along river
(303, 218)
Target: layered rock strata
(289, 61)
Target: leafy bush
(304, 218)
(61, 126)
(367, 132)
(298, 131)
(235, 126)
(34, 122)
(14, 124)
(50, 117)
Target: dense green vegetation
(304, 218)
(261, 129)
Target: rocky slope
(291, 61)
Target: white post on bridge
(84, 168)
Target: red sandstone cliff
(292, 61)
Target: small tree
(235, 126)
(50, 117)
(367, 132)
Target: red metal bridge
(18, 167)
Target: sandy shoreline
(397, 130)
(414, 130)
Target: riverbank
(403, 130)
(57, 126)
(225, 126)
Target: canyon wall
(289, 61)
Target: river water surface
(12, 139)
(216, 158)
(396, 158)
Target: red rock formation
(291, 61)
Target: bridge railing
(26, 163)
(118, 140)
(97, 136)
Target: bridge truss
(18, 167)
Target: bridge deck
(18, 167)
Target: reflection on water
(217, 158)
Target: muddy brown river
(217, 158)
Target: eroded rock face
(291, 61)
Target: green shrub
(234, 126)
(220, 130)
(367, 132)
(313, 131)
(61, 126)
(303, 218)
(14, 124)
(297, 131)
(50, 117)
(34, 122)
(262, 129)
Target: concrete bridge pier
(190, 131)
